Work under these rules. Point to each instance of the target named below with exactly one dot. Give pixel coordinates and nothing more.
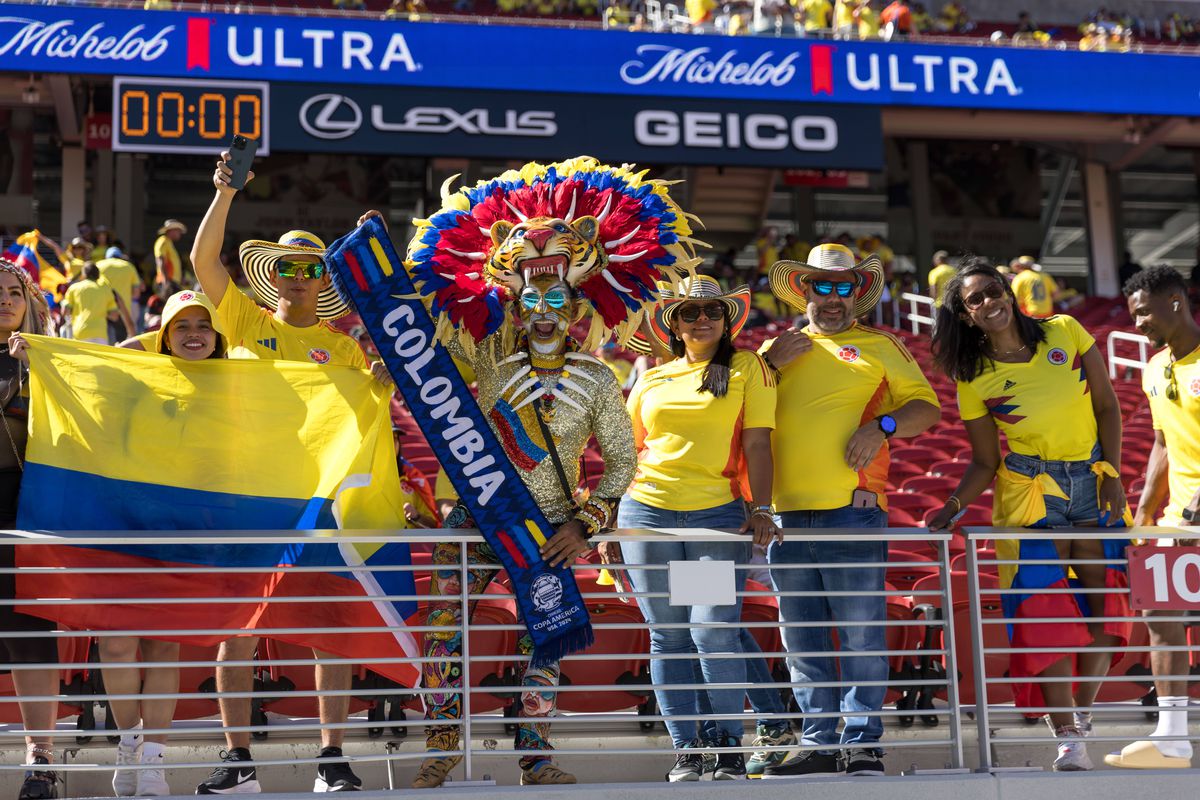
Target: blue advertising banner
(310, 118)
(76, 39)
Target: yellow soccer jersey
(1032, 294)
(254, 332)
(939, 276)
(689, 443)
(825, 395)
(1042, 406)
(1179, 421)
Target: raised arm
(206, 251)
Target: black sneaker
(688, 767)
(808, 764)
(335, 776)
(229, 778)
(40, 784)
(730, 766)
(864, 762)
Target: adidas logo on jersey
(1009, 384)
(270, 344)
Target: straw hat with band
(701, 287)
(826, 262)
(172, 225)
(189, 299)
(258, 260)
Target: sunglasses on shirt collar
(299, 269)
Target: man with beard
(844, 390)
(1158, 303)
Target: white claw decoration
(516, 377)
(524, 387)
(562, 396)
(628, 257)
(475, 256)
(486, 231)
(571, 211)
(584, 375)
(511, 359)
(617, 242)
(575, 387)
(607, 207)
(536, 395)
(613, 282)
(513, 208)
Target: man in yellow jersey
(292, 275)
(843, 19)
(117, 271)
(91, 304)
(844, 390)
(1034, 290)
(1158, 303)
(940, 275)
(818, 15)
(168, 266)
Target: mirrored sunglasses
(555, 298)
(826, 288)
(303, 269)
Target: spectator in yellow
(700, 12)
(78, 253)
(619, 366)
(91, 304)
(818, 15)
(868, 20)
(794, 249)
(117, 271)
(921, 21)
(1035, 290)
(616, 15)
(168, 266)
(844, 26)
(157, 5)
(767, 246)
(939, 276)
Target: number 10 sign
(1164, 578)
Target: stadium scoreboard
(188, 116)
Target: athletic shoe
(39, 784)
(230, 778)
(433, 771)
(544, 773)
(125, 781)
(152, 782)
(689, 766)
(1073, 757)
(864, 762)
(335, 776)
(780, 736)
(730, 766)
(1083, 721)
(807, 764)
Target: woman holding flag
(1044, 385)
(23, 310)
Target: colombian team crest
(319, 355)
(849, 353)
(1194, 387)
(1057, 356)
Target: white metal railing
(491, 678)
(921, 311)
(994, 686)
(1115, 361)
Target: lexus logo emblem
(330, 116)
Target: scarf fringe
(572, 641)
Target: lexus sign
(427, 122)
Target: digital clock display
(188, 116)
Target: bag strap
(558, 467)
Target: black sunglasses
(974, 300)
(691, 313)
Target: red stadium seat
(915, 503)
(949, 469)
(922, 457)
(948, 444)
(909, 568)
(931, 485)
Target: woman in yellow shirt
(1044, 385)
(702, 425)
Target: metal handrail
(917, 304)
(1115, 360)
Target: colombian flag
(24, 254)
(121, 440)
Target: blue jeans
(1077, 481)
(853, 698)
(763, 700)
(723, 638)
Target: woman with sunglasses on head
(702, 425)
(1044, 385)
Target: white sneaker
(125, 781)
(1083, 721)
(152, 781)
(1073, 757)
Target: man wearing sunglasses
(844, 390)
(1158, 303)
(291, 276)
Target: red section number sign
(1164, 578)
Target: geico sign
(655, 128)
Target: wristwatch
(887, 424)
(1188, 514)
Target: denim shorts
(1077, 482)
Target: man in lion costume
(507, 268)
